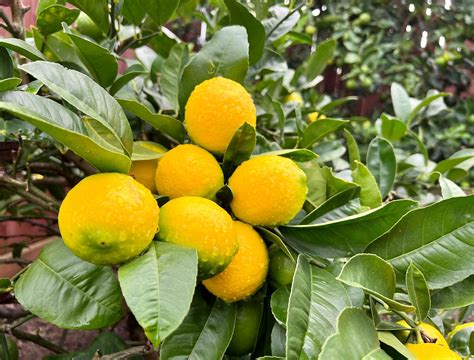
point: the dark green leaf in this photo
(9, 84)
(171, 72)
(369, 191)
(133, 11)
(348, 236)
(23, 48)
(455, 296)
(298, 155)
(382, 164)
(159, 11)
(97, 10)
(5, 285)
(318, 60)
(392, 129)
(317, 130)
(279, 304)
(418, 292)
(88, 295)
(6, 64)
(239, 149)
(401, 102)
(131, 73)
(49, 20)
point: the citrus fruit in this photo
(144, 170)
(267, 190)
(312, 117)
(86, 26)
(427, 329)
(203, 225)
(108, 218)
(294, 97)
(432, 352)
(247, 270)
(247, 326)
(281, 267)
(214, 112)
(188, 170)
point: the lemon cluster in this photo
(110, 218)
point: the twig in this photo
(21, 335)
(80, 163)
(18, 15)
(8, 25)
(19, 261)
(132, 40)
(128, 353)
(12, 314)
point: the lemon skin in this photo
(428, 329)
(432, 352)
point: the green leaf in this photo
(226, 54)
(239, 15)
(355, 339)
(279, 304)
(133, 11)
(420, 145)
(392, 129)
(98, 11)
(280, 23)
(391, 340)
(373, 275)
(274, 238)
(298, 155)
(166, 124)
(67, 128)
(147, 150)
(49, 20)
(277, 342)
(449, 188)
(424, 103)
(418, 292)
(316, 182)
(316, 300)
(352, 149)
(317, 130)
(455, 159)
(462, 341)
(131, 73)
(88, 295)
(338, 102)
(239, 149)
(205, 333)
(369, 191)
(158, 288)
(6, 64)
(348, 236)
(382, 164)
(455, 296)
(437, 239)
(101, 64)
(23, 48)
(401, 102)
(159, 11)
(85, 95)
(9, 84)
(318, 60)
(352, 58)
(171, 72)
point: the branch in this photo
(128, 353)
(8, 25)
(12, 314)
(18, 15)
(18, 261)
(21, 335)
(80, 163)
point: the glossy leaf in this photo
(279, 304)
(449, 188)
(226, 54)
(171, 72)
(97, 10)
(455, 296)
(392, 129)
(6, 64)
(316, 183)
(348, 236)
(159, 11)
(318, 60)
(462, 341)
(158, 288)
(437, 239)
(387, 338)
(84, 94)
(382, 164)
(369, 191)
(278, 342)
(131, 73)
(270, 236)
(9, 84)
(23, 48)
(50, 19)
(316, 300)
(317, 130)
(69, 292)
(239, 149)
(455, 159)
(66, 127)
(418, 292)
(401, 102)
(281, 23)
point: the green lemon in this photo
(281, 268)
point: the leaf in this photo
(392, 129)
(159, 11)
(166, 124)
(274, 238)
(158, 288)
(277, 342)
(23, 48)
(449, 188)
(6, 64)
(131, 73)
(171, 72)
(316, 182)
(369, 191)
(9, 84)
(239, 149)
(382, 164)
(317, 130)
(133, 11)
(239, 15)
(418, 292)
(461, 341)
(85, 95)
(205, 333)
(437, 239)
(352, 148)
(455, 159)
(348, 236)
(318, 60)
(355, 338)
(387, 338)
(69, 292)
(49, 20)
(147, 150)
(298, 155)
(420, 145)
(279, 304)
(97, 10)
(338, 102)
(373, 275)
(455, 296)
(66, 127)
(401, 102)
(226, 54)
(98, 60)
(281, 22)
(424, 103)
(316, 300)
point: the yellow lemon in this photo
(214, 112)
(312, 117)
(267, 190)
(203, 225)
(432, 352)
(144, 170)
(247, 271)
(108, 218)
(432, 332)
(294, 97)
(188, 170)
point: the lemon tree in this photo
(205, 187)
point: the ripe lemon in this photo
(281, 268)
(144, 170)
(432, 352)
(312, 117)
(247, 271)
(294, 97)
(108, 218)
(188, 170)
(428, 329)
(215, 111)
(267, 190)
(203, 225)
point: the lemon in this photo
(247, 271)
(214, 112)
(267, 190)
(427, 329)
(281, 268)
(203, 225)
(144, 170)
(294, 97)
(312, 117)
(432, 352)
(108, 218)
(188, 170)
